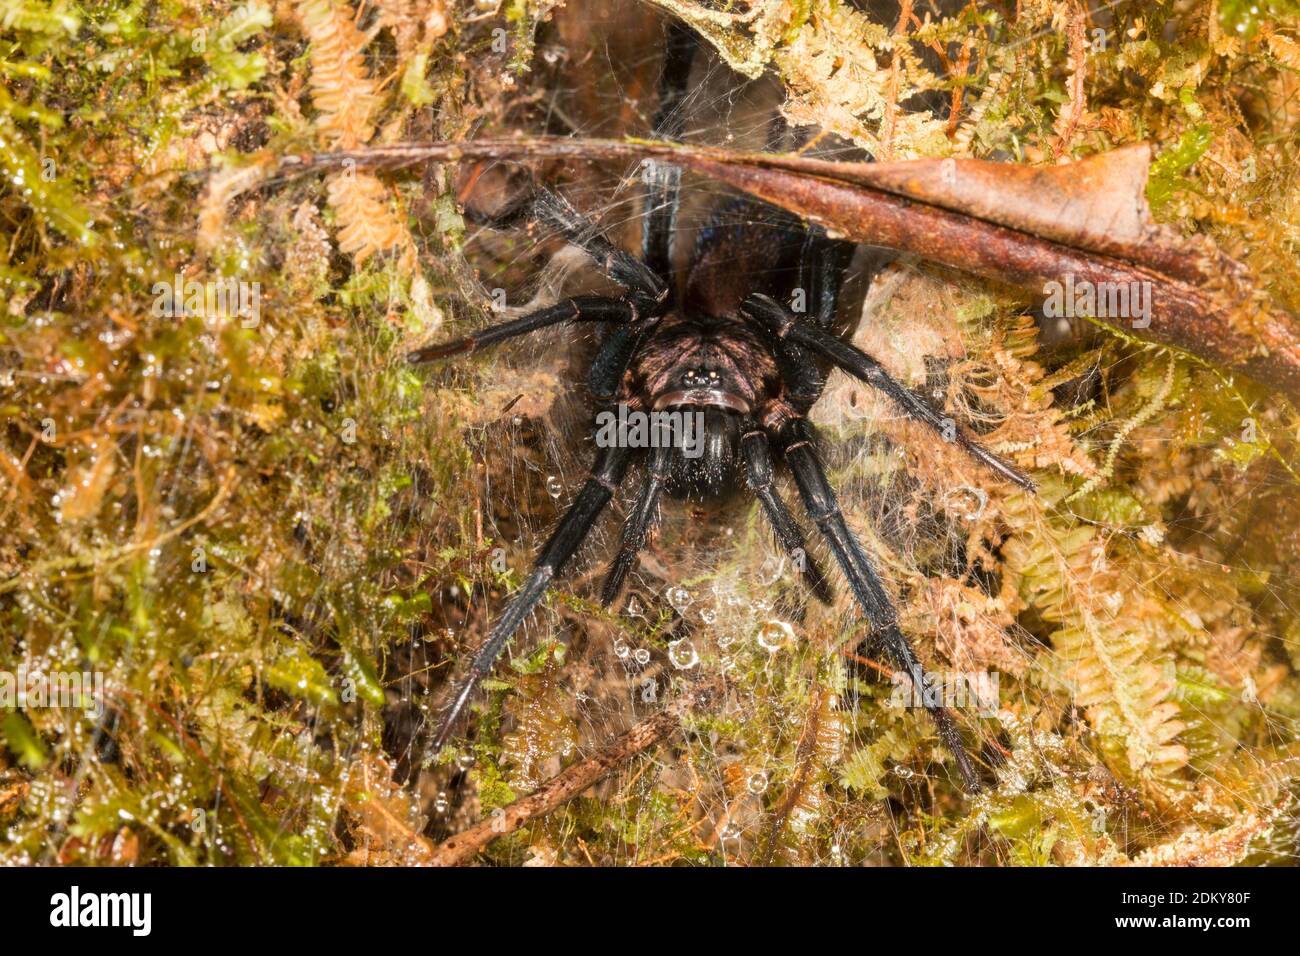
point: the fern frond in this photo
(368, 225)
(1108, 650)
(341, 87)
(347, 99)
(1226, 846)
(802, 801)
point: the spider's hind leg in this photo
(823, 507)
(572, 530)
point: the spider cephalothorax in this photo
(727, 351)
(718, 370)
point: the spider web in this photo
(803, 760)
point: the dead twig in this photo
(804, 754)
(572, 781)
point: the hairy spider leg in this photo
(644, 285)
(758, 475)
(647, 290)
(663, 180)
(606, 475)
(662, 196)
(822, 264)
(787, 329)
(647, 298)
(582, 308)
(647, 293)
(823, 507)
(639, 519)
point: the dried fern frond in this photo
(367, 225)
(802, 802)
(341, 87)
(347, 99)
(1226, 846)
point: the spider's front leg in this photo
(663, 180)
(582, 308)
(823, 507)
(786, 328)
(646, 299)
(606, 475)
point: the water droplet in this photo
(680, 599)
(554, 487)
(757, 782)
(441, 803)
(642, 656)
(621, 650)
(465, 761)
(708, 615)
(682, 654)
(773, 635)
(968, 502)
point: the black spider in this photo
(728, 348)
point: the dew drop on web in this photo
(680, 599)
(683, 655)
(773, 635)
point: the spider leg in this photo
(788, 329)
(823, 507)
(638, 522)
(822, 263)
(644, 285)
(572, 530)
(648, 291)
(663, 180)
(758, 475)
(582, 308)
(608, 365)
